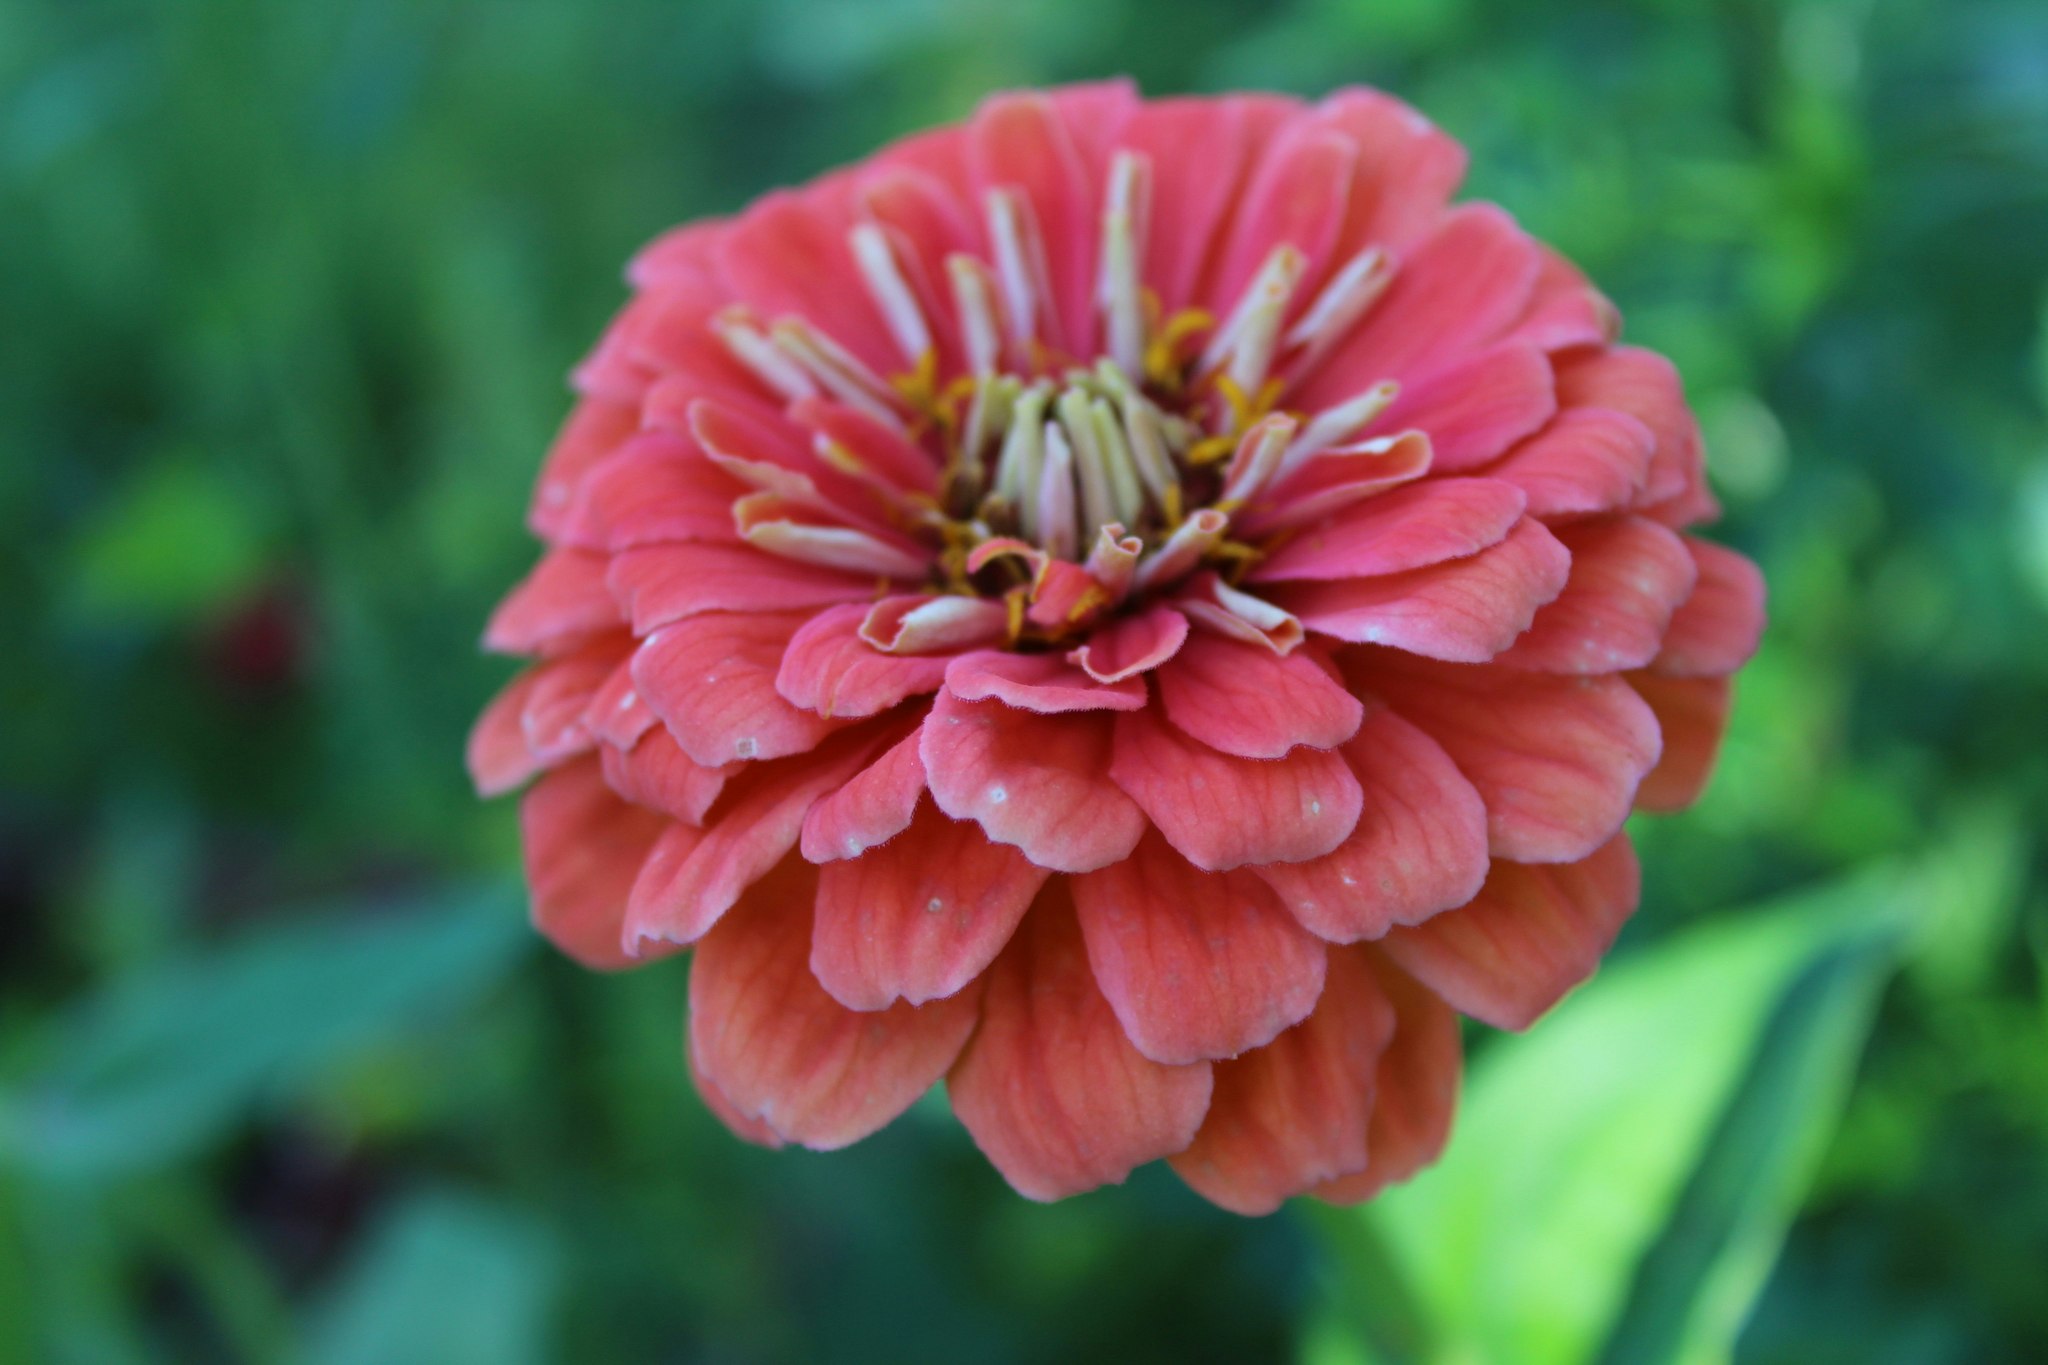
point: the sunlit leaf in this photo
(1628, 1167)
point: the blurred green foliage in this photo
(289, 290)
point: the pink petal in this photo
(1587, 460)
(921, 916)
(583, 847)
(1415, 1091)
(692, 877)
(681, 359)
(788, 256)
(1532, 933)
(561, 602)
(1408, 168)
(1691, 713)
(1335, 480)
(1566, 311)
(926, 222)
(1646, 386)
(1298, 195)
(554, 721)
(654, 772)
(593, 430)
(1197, 965)
(1223, 812)
(1038, 782)
(1459, 290)
(1717, 629)
(657, 488)
(772, 454)
(1132, 645)
(497, 756)
(872, 444)
(1462, 610)
(711, 679)
(783, 1051)
(1297, 1112)
(1419, 849)
(1243, 699)
(1050, 1088)
(1557, 760)
(829, 669)
(660, 584)
(610, 372)
(1018, 140)
(689, 252)
(617, 714)
(1196, 148)
(1628, 575)
(1064, 595)
(1045, 683)
(1095, 113)
(743, 1126)
(1477, 406)
(874, 806)
(1407, 528)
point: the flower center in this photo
(1128, 466)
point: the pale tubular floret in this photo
(975, 303)
(1126, 496)
(990, 412)
(1119, 286)
(1143, 435)
(1114, 561)
(1343, 301)
(1244, 346)
(761, 358)
(1335, 425)
(1057, 530)
(893, 296)
(1189, 543)
(1023, 456)
(1257, 459)
(1149, 451)
(1021, 268)
(950, 622)
(1090, 461)
(838, 370)
(1217, 606)
(835, 547)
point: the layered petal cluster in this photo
(1143, 611)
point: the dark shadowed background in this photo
(287, 296)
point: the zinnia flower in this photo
(1144, 611)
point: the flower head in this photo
(1142, 610)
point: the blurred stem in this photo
(181, 1224)
(17, 1340)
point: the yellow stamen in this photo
(1013, 605)
(1165, 366)
(1088, 601)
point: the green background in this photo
(287, 295)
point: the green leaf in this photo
(447, 1280)
(1621, 1176)
(157, 1065)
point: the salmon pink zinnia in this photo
(1142, 610)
